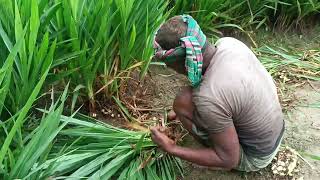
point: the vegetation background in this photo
(59, 55)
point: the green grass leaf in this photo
(22, 114)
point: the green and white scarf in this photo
(191, 48)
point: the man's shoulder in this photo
(229, 41)
(233, 50)
(232, 63)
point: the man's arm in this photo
(225, 152)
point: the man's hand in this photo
(162, 140)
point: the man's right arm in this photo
(225, 152)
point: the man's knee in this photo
(182, 104)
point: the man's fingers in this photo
(155, 130)
(162, 129)
(152, 137)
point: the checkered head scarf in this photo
(190, 48)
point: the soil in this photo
(302, 128)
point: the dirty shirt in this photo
(237, 90)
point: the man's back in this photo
(237, 89)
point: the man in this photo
(232, 106)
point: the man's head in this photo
(168, 37)
(179, 43)
(170, 33)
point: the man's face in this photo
(178, 66)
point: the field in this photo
(79, 89)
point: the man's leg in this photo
(184, 107)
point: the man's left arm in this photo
(224, 153)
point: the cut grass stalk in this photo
(290, 65)
(117, 153)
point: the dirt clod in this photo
(285, 163)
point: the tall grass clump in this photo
(24, 21)
(35, 147)
(211, 15)
(107, 40)
(26, 56)
(12, 138)
(215, 15)
(95, 44)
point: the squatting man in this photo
(231, 106)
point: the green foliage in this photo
(35, 56)
(314, 157)
(13, 145)
(213, 15)
(101, 151)
(38, 144)
(85, 149)
(96, 44)
(109, 38)
(290, 64)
